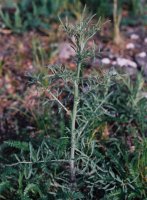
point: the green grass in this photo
(23, 15)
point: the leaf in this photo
(18, 144)
(31, 187)
(4, 186)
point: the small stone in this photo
(111, 56)
(145, 40)
(130, 46)
(105, 61)
(134, 37)
(121, 62)
(143, 95)
(114, 63)
(125, 62)
(132, 64)
(142, 55)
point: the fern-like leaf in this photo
(18, 145)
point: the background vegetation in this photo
(23, 15)
(87, 138)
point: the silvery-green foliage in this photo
(105, 168)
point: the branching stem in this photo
(60, 103)
(30, 162)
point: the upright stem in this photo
(73, 125)
(115, 11)
(117, 20)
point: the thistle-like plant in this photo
(85, 96)
(79, 35)
(73, 81)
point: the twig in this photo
(30, 162)
(61, 104)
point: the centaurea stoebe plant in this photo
(80, 33)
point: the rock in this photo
(65, 51)
(142, 54)
(114, 63)
(134, 36)
(130, 46)
(121, 62)
(145, 40)
(126, 62)
(143, 95)
(105, 61)
(141, 60)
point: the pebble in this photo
(114, 63)
(111, 56)
(145, 40)
(130, 46)
(105, 61)
(134, 37)
(143, 94)
(125, 62)
(142, 55)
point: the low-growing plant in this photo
(104, 7)
(14, 22)
(22, 15)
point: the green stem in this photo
(73, 126)
(117, 19)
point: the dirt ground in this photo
(23, 54)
